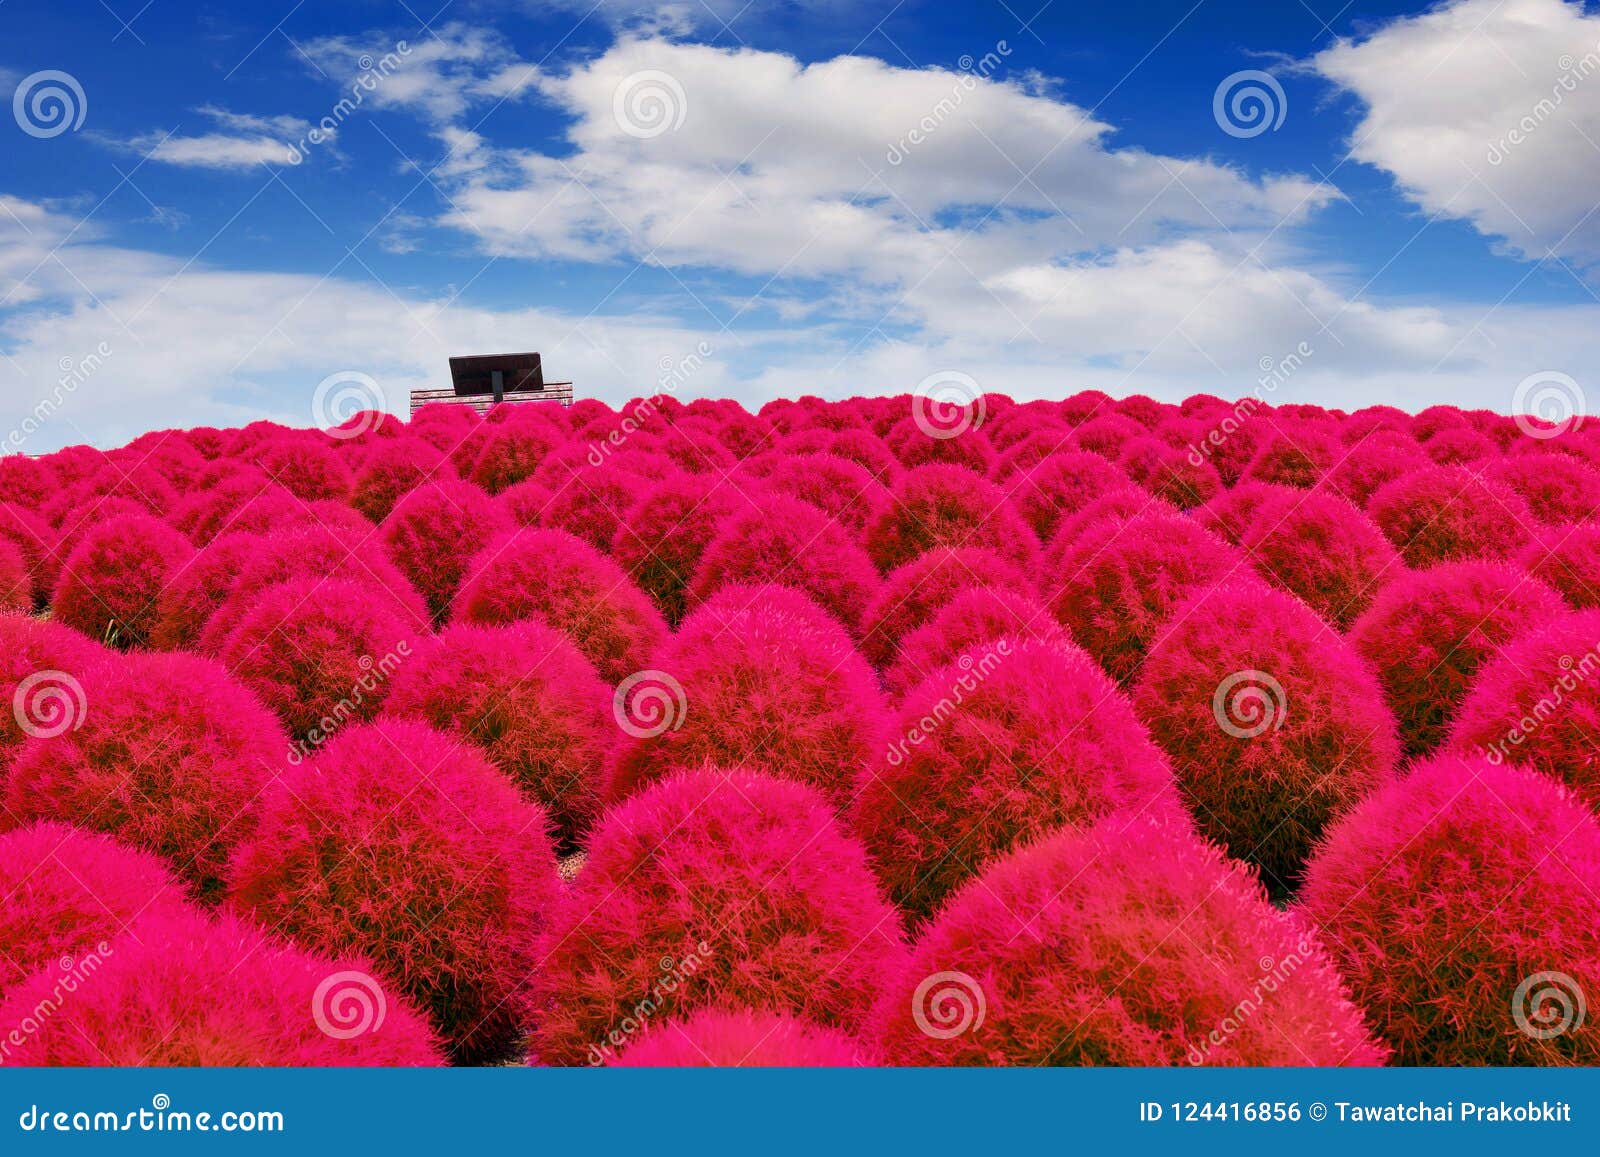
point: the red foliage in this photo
(64, 890)
(35, 540)
(400, 843)
(510, 452)
(593, 504)
(713, 1038)
(1294, 454)
(1273, 724)
(525, 695)
(395, 468)
(993, 751)
(662, 538)
(769, 683)
(1369, 464)
(1537, 703)
(1428, 632)
(969, 622)
(1556, 488)
(1130, 943)
(434, 532)
(166, 753)
(27, 482)
(306, 465)
(951, 507)
(1169, 472)
(1448, 900)
(1059, 486)
(1118, 582)
(912, 595)
(16, 581)
(243, 500)
(192, 596)
(551, 576)
(1319, 547)
(912, 446)
(111, 582)
(783, 540)
(1568, 558)
(845, 491)
(181, 990)
(1441, 513)
(712, 889)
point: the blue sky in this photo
(833, 197)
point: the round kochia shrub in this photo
(111, 583)
(41, 665)
(1428, 632)
(844, 490)
(192, 596)
(912, 595)
(1274, 725)
(525, 695)
(35, 541)
(1537, 704)
(1126, 944)
(784, 540)
(64, 890)
(319, 654)
(559, 579)
(393, 469)
(1319, 547)
(181, 990)
(1122, 578)
(1568, 558)
(969, 622)
(712, 889)
(995, 750)
(402, 844)
(769, 683)
(713, 1038)
(1460, 905)
(168, 754)
(947, 506)
(1441, 513)
(16, 582)
(661, 539)
(1558, 489)
(433, 533)
(1060, 485)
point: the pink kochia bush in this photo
(167, 754)
(319, 654)
(1537, 704)
(523, 694)
(769, 683)
(110, 585)
(995, 750)
(1273, 724)
(1428, 632)
(64, 891)
(713, 1038)
(1124, 944)
(1319, 547)
(712, 889)
(947, 506)
(1568, 558)
(40, 666)
(433, 533)
(1441, 513)
(181, 990)
(783, 540)
(400, 843)
(558, 579)
(969, 621)
(912, 595)
(1460, 903)
(1119, 582)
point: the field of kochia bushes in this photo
(1071, 732)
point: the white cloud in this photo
(248, 142)
(1487, 111)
